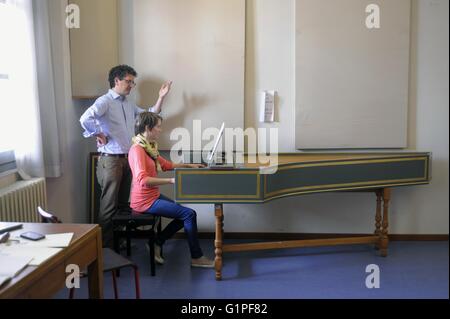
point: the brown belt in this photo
(114, 155)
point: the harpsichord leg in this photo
(218, 208)
(384, 239)
(379, 194)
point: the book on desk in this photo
(7, 227)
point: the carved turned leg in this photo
(384, 240)
(379, 194)
(218, 242)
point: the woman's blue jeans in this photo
(182, 217)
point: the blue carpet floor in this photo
(411, 270)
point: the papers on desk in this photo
(10, 266)
(37, 255)
(51, 240)
(37, 251)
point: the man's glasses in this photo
(130, 82)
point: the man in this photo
(111, 120)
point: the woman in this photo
(145, 163)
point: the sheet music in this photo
(267, 112)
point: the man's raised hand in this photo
(165, 88)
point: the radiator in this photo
(19, 201)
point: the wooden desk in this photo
(299, 174)
(43, 281)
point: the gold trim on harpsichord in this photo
(180, 174)
(334, 187)
(299, 158)
(369, 187)
(257, 198)
(350, 162)
(267, 199)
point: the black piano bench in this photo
(130, 224)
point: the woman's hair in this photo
(144, 119)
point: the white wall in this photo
(425, 209)
(270, 64)
(270, 57)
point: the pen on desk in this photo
(4, 237)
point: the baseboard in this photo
(299, 236)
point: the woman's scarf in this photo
(150, 147)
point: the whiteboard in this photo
(351, 81)
(200, 46)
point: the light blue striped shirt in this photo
(114, 116)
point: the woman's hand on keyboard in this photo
(195, 166)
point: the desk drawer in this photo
(84, 255)
(46, 285)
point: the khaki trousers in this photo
(114, 177)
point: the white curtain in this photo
(28, 102)
(46, 89)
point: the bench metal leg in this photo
(151, 243)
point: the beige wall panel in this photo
(93, 47)
(351, 81)
(200, 46)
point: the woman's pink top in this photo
(143, 166)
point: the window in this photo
(17, 75)
(6, 37)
